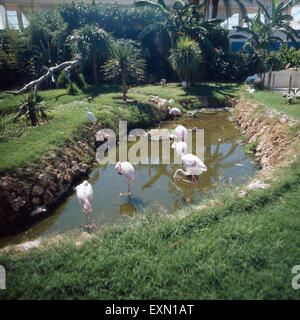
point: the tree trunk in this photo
(124, 87)
(215, 7)
(95, 69)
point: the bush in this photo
(14, 57)
(77, 78)
(285, 57)
(233, 66)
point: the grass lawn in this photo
(242, 249)
(22, 145)
(275, 101)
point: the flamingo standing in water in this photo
(84, 193)
(181, 132)
(175, 112)
(193, 164)
(126, 169)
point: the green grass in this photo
(22, 145)
(214, 92)
(242, 249)
(275, 101)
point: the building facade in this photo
(12, 12)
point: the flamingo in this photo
(193, 164)
(184, 84)
(84, 193)
(126, 169)
(181, 132)
(163, 82)
(175, 111)
(91, 116)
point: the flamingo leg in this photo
(194, 179)
(128, 193)
(189, 199)
(87, 221)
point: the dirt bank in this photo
(274, 135)
(31, 192)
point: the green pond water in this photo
(155, 189)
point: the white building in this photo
(11, 11)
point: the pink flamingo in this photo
(84, 193)
(181, 132)
(193, 164)
(175, 112)
(126, 169)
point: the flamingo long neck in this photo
(179, 171)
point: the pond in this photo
(155, 189)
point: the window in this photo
(25, 21)
(12, 19)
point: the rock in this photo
(28, 245)
(201, 207)
(48, 197)
(36, 200)
(37, 191)
(17, 203)
(254, 185)
(242, 193)
(43, 180)
(38, 211)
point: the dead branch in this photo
(67, 65)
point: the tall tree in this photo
(125, 63)
(185, 58)
(92, 44)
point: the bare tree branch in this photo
(67, 65)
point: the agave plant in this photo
(185, 58)
(31, 109)
(125, 63)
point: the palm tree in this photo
(92, 44)
(185, 58)
(188, 19)
(263, 35)
(125, 63)
(166, 26)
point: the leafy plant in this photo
(286, 57)
(263, 35)
(31, 109)
(185, 58)
(125, 63)
(92, 44)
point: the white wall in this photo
(282, 78)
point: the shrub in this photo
(186, 58)
(77, 78)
